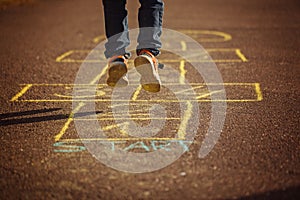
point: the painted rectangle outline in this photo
(26, 87)
(242, 58)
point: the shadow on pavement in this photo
(28, 112)
(4, 121)
(290, 193)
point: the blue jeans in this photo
(116, 22)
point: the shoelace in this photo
(121, 58)
(154, 59)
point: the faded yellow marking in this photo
(103, 72)
(182, 64)
(136, 93)
(186, 117)
(120, 139)
(192, 88)
(240, 55)
(183, 45)
(182, 72)
(70, 97)
(80, 61)
(208, 94)
(136, 114)
(99, 38)
(123, 130)
(21, 93)
(64, 55)
(224, 36)
(63, 96)
(258, 92)
(237, 52)
(83, 89)
(113, 126)
(67, 124)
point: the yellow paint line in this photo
(195, 86)
(240, 55)
(62, 96)
(183, 125)
(49, 84)
(183, 45)
(121, 115)
(134, 112)
(162, 101)
(64, 55)
(137, 114)
(136, 93)
(121, 139)
(67, 124)
(226, 61)
(224, 36)
(258, 92)
(21, 93)
(109, 127)
(101, 85)
(99, 38)
(103, 72)
(182, 72)
(162, 60)
(221, 49)
(237, 100)
(131, 118)
(76, 109)
(192, 88)
(182, 64)
(123, 130)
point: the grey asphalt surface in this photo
(257, 154)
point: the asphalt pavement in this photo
(46, 154)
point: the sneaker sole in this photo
(116, 73)
(150, 80)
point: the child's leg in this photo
(149, 43)
(150, 15)
(116, 22)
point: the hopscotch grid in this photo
(62, 58)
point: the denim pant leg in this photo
(116, 27)
(150, 16)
